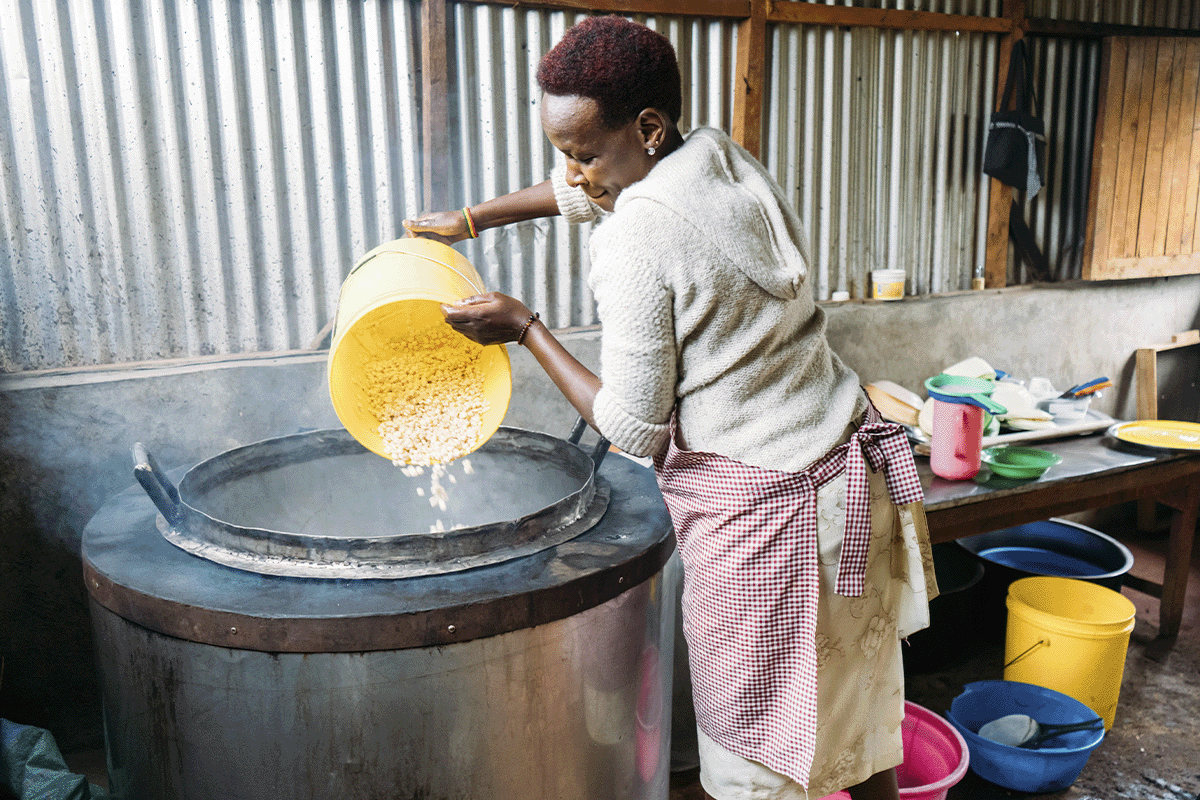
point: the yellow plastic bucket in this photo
(1070, 636)
(393, 290)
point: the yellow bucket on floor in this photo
(393, 290)
(1070, 636)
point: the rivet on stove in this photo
(621, 579)
(450, 628)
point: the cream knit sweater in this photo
(698, 275)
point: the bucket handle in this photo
(157, 485)
(1028, 650)
(598, 452)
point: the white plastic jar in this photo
(887, 284)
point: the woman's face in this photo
(600, 161)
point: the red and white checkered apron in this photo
(748, 540)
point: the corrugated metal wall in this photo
(878, 133)
(190, 177)
(1067, 84)
(184, 178)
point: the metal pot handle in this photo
(598, 452)
(156, 483)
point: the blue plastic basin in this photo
(1056, 548)
(1044, 769)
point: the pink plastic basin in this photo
(935, 756)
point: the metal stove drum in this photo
(296, 619)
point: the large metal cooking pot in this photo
(319, 504)
(540, 675)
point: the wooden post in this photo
(1146, 393)
(995, 268)
(435, 106)
(751, 69)
(1178, 557)
(1000, 199)
(1102, 187)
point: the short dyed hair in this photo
(625, 67)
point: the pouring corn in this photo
(427, 395)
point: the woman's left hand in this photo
(490, 318)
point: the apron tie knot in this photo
(879, 445)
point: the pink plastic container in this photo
(935, 756)
(957, 436)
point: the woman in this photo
(801, 572)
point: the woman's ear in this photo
(652, 125)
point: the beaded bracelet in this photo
(470, 223)
(528, 322)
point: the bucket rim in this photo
(938, 722)
(405, 296)
(1051, 624)
(474, 283)
(1018, 603)
(975, 544)
(419, 247)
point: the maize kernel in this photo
(427, 394)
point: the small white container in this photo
(887, 284)
(1066, 409)
(840, 297)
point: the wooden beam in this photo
(435, 105)
(1131, 156)
(720, 9)
(995, 267)
(1148, 243)
(1146, 392)
(1182, 240)
(749, 78)
(1188, 241)
(995, 270)
(1146, 371)
(1101, 194)
(1070, 29)
(1119, 269)
(1177, 152)
(1178, 558)
(783, 11)
(821, 14)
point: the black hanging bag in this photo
(1015, 152)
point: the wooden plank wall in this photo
(1143, 207)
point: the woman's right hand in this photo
(446, 227)
(491, 318)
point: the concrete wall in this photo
(65, 437)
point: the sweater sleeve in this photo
(637, 351)
(573, 203)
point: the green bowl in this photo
(1018, 462)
